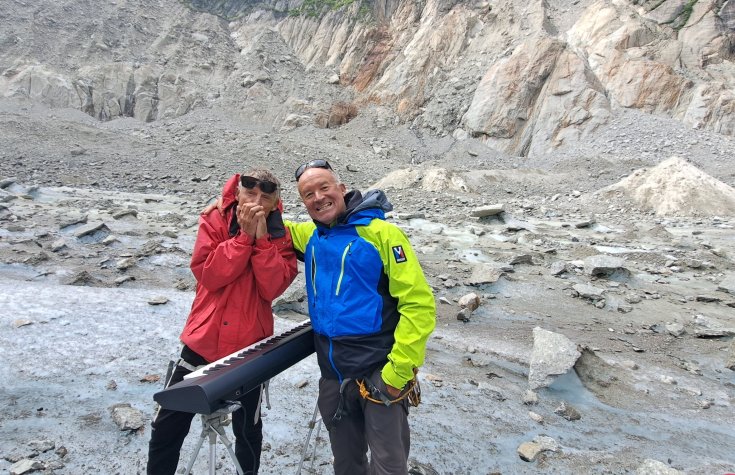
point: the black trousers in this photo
(170, 428)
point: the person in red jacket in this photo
(242, 260)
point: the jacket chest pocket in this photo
(345, 253)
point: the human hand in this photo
(392, 391)
(262, 228)
(216, 205)
(249, 217)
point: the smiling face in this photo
(322, 195)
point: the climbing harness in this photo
(370, 392)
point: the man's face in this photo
(322, 195)
(256, 196)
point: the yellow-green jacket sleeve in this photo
(300, 233)
(416, 304)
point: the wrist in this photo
(246, 238)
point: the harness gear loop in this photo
(341, 411)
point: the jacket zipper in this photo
(342, 267)
(313, 274)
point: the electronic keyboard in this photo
(218, 384)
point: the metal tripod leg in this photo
(212, 427)
(315, 421)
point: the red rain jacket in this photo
(237, 281)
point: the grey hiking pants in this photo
(364, 424)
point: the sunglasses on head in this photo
(318, 163)
(265, 186)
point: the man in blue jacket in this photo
(372, 312)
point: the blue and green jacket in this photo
(369, 302)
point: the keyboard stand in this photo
(316, 421)
(212, 426)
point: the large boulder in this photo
(553, 354)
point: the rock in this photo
(416, 468)
(21, 322)
(7, 182)
(489, 210)
(42, 445)
(72, 219)
(159, 300)
(461, 134)
(407, 216)
(470, 301)
(125, 263)
(125, 212)
(94, 232)
(730, 363)
(150, 378)
(589, 292)
(54, 465)
(713, 332)
(293, 121)
(530, 398)
(668, 380)
(553, 354)
(521, 259)
(654, 467)
(727, 284)
(464, 315)
(675, 329)
(124, 278)
(536, 417)
(558, 268)
(83, 278)
(602, 264)
(628, 364)
(568, 412)
(584, 224)
(58, 245)
(109, 240)
(485, 274)
(25, 466)
(333, 79)
(126, 417)
(528, 451)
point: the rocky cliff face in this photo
(526, 77)
(522, 75)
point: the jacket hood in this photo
(373, 204)
(229, 191)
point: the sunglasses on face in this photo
(318, 163)
(265, 186)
